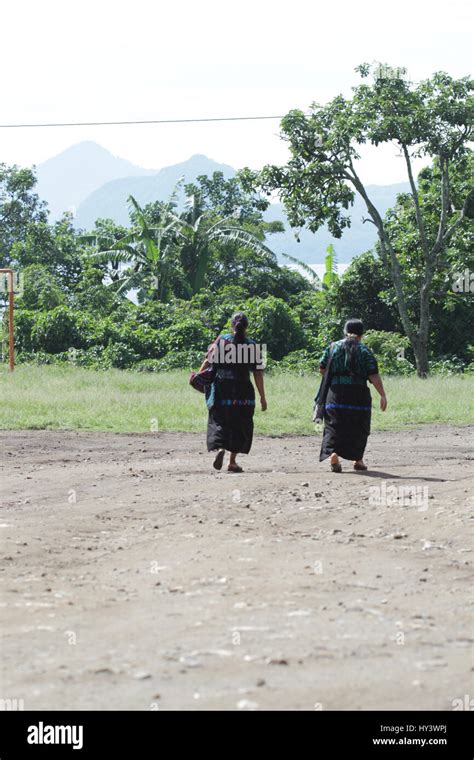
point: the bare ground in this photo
(135, 577)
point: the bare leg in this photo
(233, 466)
(335, 463)
(219, 459)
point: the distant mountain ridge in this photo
(93, 183)
(110, 200)
(67, 179)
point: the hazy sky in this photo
(106, 60)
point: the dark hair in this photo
(354, 327)
(239, 325)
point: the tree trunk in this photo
(420, 349)
(421, 354)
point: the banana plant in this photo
(147, 252)
(309, 271)
(196, 231)
(330, 275)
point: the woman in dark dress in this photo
(348, 403)
(231, 399)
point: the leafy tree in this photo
(272, 322)
(20, 207)
(105, 235)
(197, 229)
(56, 247)
(390, 347)
(226, 197)
(319, 182)
(148, 252)
(59, 329)
(365, 291)
(450, 312)
(41, 290)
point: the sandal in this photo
(359, 466)
(217, 464)
(336, 467)
(234, 468)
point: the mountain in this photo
(93, 183)
(110, 200)
(67, 179)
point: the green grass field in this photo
(70, 398)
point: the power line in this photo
(142, 121)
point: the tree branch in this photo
(416, 200)
(386, 245)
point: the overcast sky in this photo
(103, 60)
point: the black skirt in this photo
(230, 421)
(346, 421)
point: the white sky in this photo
(112, 60)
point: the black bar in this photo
(318, 734)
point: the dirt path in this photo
(133, 576)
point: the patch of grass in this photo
(71, 398)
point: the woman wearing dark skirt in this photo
(348, 403)
(231, 399)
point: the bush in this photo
(59, 329)
(91, 358)
(119, 355)
(447, 366)
(36, 357)
(186, 335)
(272, 322)
(146, 341)
(389, 348)
(24, 321)
(41, 289)
(303, 362)
(190, 360)
(155, 314)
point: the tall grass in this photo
(65, 397)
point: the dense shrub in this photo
(452, 365)
(119, 355)
(59, 329)
(185, 335)
(390, 349)
(302, 362)
(24, 321)
(272, 322)
(190, 360)
(41, 290)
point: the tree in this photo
(198, 228)
(20, 207)
(56, 247)
(146, 250)
(254, 267)
(450, 311)
(319, 182)
(365, 291)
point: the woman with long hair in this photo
(348, 402)
(231, 400)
